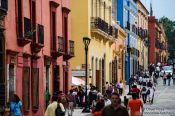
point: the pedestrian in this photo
(115, 109)
(51, 109)
(135, 105)
(121, 88)
(106, 88)
(144, 93)
(164, 78)
(169, 76)
(62, 98)
(16, 106)
(151, 94)
(98, 108)
(72, 102)
(136, 90)
(107, 100)
(173, 78)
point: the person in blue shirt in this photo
(16, 106)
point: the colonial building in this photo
(155, 33)
(119, 48)
(163, 46)
(142, 32)
(95, 23)
(37, 49)
(127, 18)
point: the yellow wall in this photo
(81, 12)
(79, 29)
(143, 23)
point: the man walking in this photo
(51, 109)
(135, 105)
(115, 109)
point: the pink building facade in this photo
(37, 49)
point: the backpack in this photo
(148, 92)
(143, 89)
(58, 111)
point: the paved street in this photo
(164, 102)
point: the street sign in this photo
(80, 73)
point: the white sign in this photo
(80, 73)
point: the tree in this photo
(169, 27)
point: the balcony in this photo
(22, 41)
(102, 28)
(58, 47)
(3, 7)
(70, 53)
(36, 47)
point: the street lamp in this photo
(86, 42)
(129, 52)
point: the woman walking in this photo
(16, 106)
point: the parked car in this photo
(166, 69)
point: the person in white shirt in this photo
(121, 88)
(107, 101)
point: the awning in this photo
(77, 81)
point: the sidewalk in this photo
(78, 111)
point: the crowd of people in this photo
(107, 103)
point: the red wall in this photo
(13, 49)
(152, 36)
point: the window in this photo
(33, 17)
(56, 78)
(35, 88)
(53, 29)
(114, 10)
(92, 8)
(11, 81)
(26, 88)
(40, 34)
(47, 82)
(19, 18)
(65, 28)
(110, 15)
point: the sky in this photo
(161, 8)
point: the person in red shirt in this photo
(135, 105)
(98, 108)
(136, 90)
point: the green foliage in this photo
(169, 27)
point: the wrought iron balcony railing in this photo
(70, 53)
(98, 24)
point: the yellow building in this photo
(142, 42)
(163, 46)
(92, 18)
(119, 50)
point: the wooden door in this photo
(98, 79)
